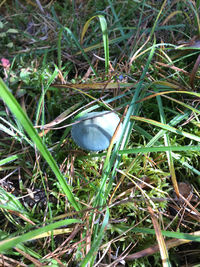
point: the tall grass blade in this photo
(90, 257)
(167, 143)
(104, 30)
(18, 112)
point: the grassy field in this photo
(136, 203)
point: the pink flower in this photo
(5, 63)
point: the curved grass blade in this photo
(167, 127)
(10, 202)
(16, 109)
(196, 12)
(104, 30)
(173, 99)
(173, 14)
(12, 242)
(127, 36)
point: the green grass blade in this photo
(97, 242)
(196, 12)
(167, 143)
(59, 49)
(10, 202)
(12, 242)
(127, 124)
(8, 159)
(104, 30)
(175, 100)
(20, 134)
(192, 237)
(16, 109)
(157, 149)
(167, 127)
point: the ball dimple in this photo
(94, 130)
